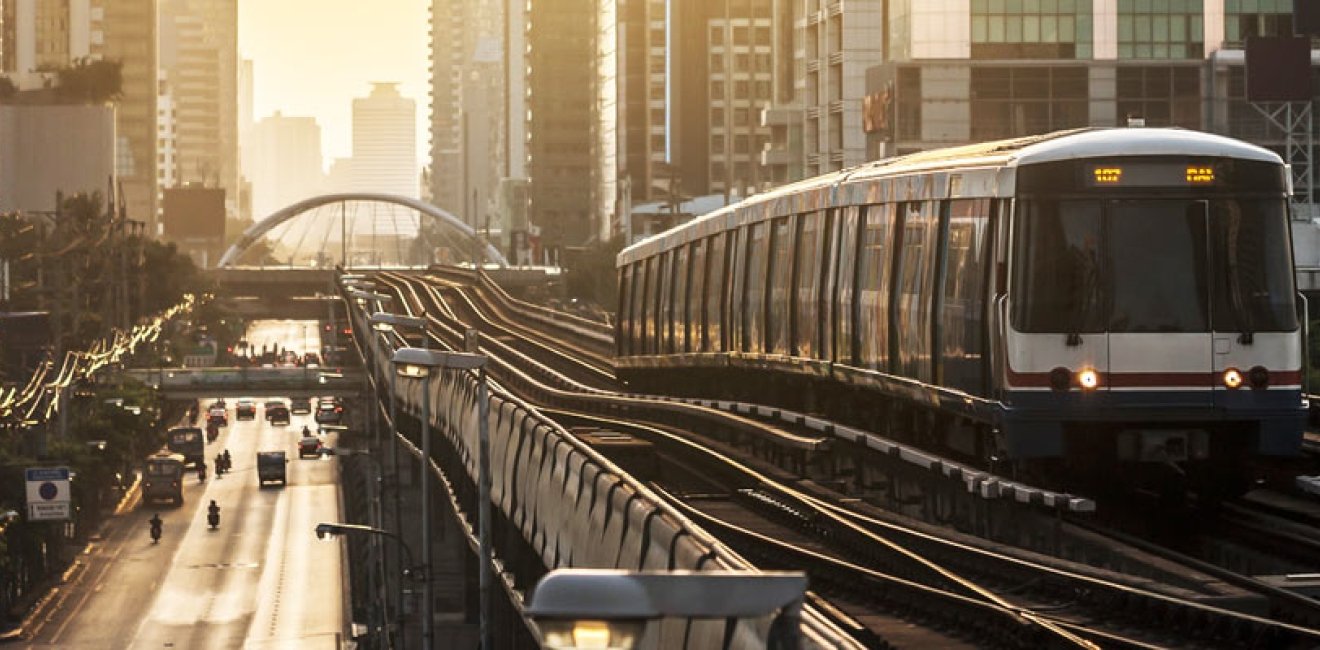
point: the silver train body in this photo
(1100, 293)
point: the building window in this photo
(741, 144)
(1012, 101)
(763, 90)
(717, 116)
(740, 36)
(1160, 29)
(717, 90)
(1246, 18)
(740, 89)
(1164, 96)
(762, 35)
(1032, 29)
(716, 35)
(717, 144)
(717, 63)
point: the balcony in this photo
(782, 115)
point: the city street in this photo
(262, 580)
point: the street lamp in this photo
(417, 363)
(381, 323)
(326, 531)
(604, 608)
(376, 518)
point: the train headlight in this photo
(1060, 378)
(1233, 378)
(1089, 379)
(1258, 377)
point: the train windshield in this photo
(1153, 265)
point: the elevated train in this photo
(1081, 300)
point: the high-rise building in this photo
(974, 71)
(821, 59)
(384, 143)
(676, 89)
(37, 36)
(126, 32)
(469, 118)
(559, 37)
(199, 53)
(286, 162)
(167, 169)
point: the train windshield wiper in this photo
(1085, 286)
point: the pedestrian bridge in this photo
(199, 383)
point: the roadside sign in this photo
(49, 497)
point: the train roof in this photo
(1050, 147)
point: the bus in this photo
(162, 478)
(189, 442)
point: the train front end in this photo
(1152, 315)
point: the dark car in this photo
(300, 405)
(246, 410)
(328, 412)
(309, 446)
(277, 413)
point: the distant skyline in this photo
(313, 57)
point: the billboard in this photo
(1278, 69)
(194, 214)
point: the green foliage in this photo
(170, 275)
(7, 88)
(90, 81)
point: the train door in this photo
(1161, 350)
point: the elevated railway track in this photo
(548, 360)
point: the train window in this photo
(1252, 284)
(914, 291)
(810, 268)
(1057, 267)
(829, 263)
(873, 281)
(716, 281)
(652, 303)
(680, 316)
(665, 311)
(962, 308)
(779, 311)
(844, 325)
(623, 336)
(638, 310)
(1157, 266)
(737, 300)
(696, 302)
(758, 252)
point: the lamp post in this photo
(594, 608)
(417, 363)
(330, 530)
(376, 518)
(382, 323)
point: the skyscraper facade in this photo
(675, 111)
(286, 162)
(384, 143)
(558, 119)
(127, 34)
(199, 54)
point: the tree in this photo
(90, 81)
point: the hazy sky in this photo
(312, 57)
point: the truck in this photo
(162, 478)
(189, 442)
(271, 467)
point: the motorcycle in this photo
(155, 530)
(213, 516)
(201, 472)
(212, 432)
(220, 468)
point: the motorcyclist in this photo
(156, 524)
(201, 471)
(229, 462)
(306, 431)
(213, 514)
(219, 465)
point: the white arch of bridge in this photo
(260, 228)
